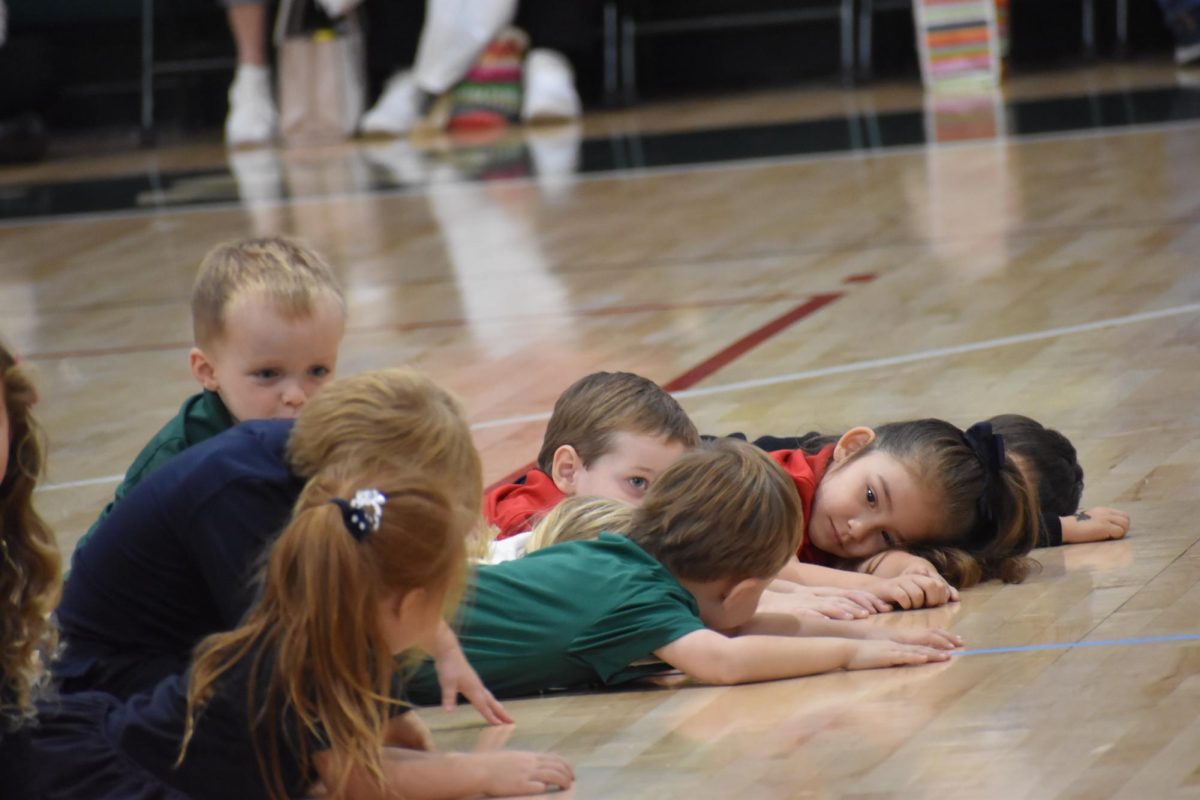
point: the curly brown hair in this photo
(30, 565)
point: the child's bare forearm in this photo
(764, 658)
(768, 624)
(813, 575)
(891, 563)
(410, 774)
(416, 775)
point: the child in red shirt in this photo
(909, 503)
(610, 435)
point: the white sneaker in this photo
(252, 118)
(398, 108)
(549, 88)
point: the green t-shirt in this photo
(202, 417)
(571, 616)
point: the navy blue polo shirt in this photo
(175, 560)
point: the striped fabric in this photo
(959, 42)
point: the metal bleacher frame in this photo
(622, 28)
(152, 68)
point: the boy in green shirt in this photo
(681, 586)
(268, 317)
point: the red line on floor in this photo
(748, 342)
(722, 358)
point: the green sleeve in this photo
(202, 416)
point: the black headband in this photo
(989, 448)
(362, 514)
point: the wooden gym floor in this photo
(990, 266)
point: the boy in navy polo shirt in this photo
(176, 560)
(268, 318)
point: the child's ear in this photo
(202, 369)
(852, 441)
(565, 469)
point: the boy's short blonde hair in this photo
(724, 510)
(595, 407)
(291, 274)
(392, 417)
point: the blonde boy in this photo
(268, 317)
(610, 435)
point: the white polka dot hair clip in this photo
(363, 513)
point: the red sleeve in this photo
(512, 506)
(806, 471)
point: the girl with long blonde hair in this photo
(30, 567)
(305, 688)
(30, 573)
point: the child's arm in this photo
(409, 731)
(792, 598)
(789, 625)
(416, 775)
(456, 676)
(906, 591)
(1097, 524)
(711, 657)
(891, 563)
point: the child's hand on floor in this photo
(915, 591)
(456, 676)
(874, 653)
(937, 638)
(820, 602)
(1097, 524)
(860, 597)
(410, 732)
(515, 773)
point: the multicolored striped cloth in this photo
(960, 42)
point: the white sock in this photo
(252, 73)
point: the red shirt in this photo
(806, 472)
(511, 506)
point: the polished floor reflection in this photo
(554, 154)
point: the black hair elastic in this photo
(363, 513)
(989, 447)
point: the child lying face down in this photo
(682, 585)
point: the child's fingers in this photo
(869, 601)
(554, 769)
(943, 640)
(495, 712)
(845, 609)
(928, 655)
(901, 594)
(484, 702)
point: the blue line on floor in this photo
(1179, 637)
